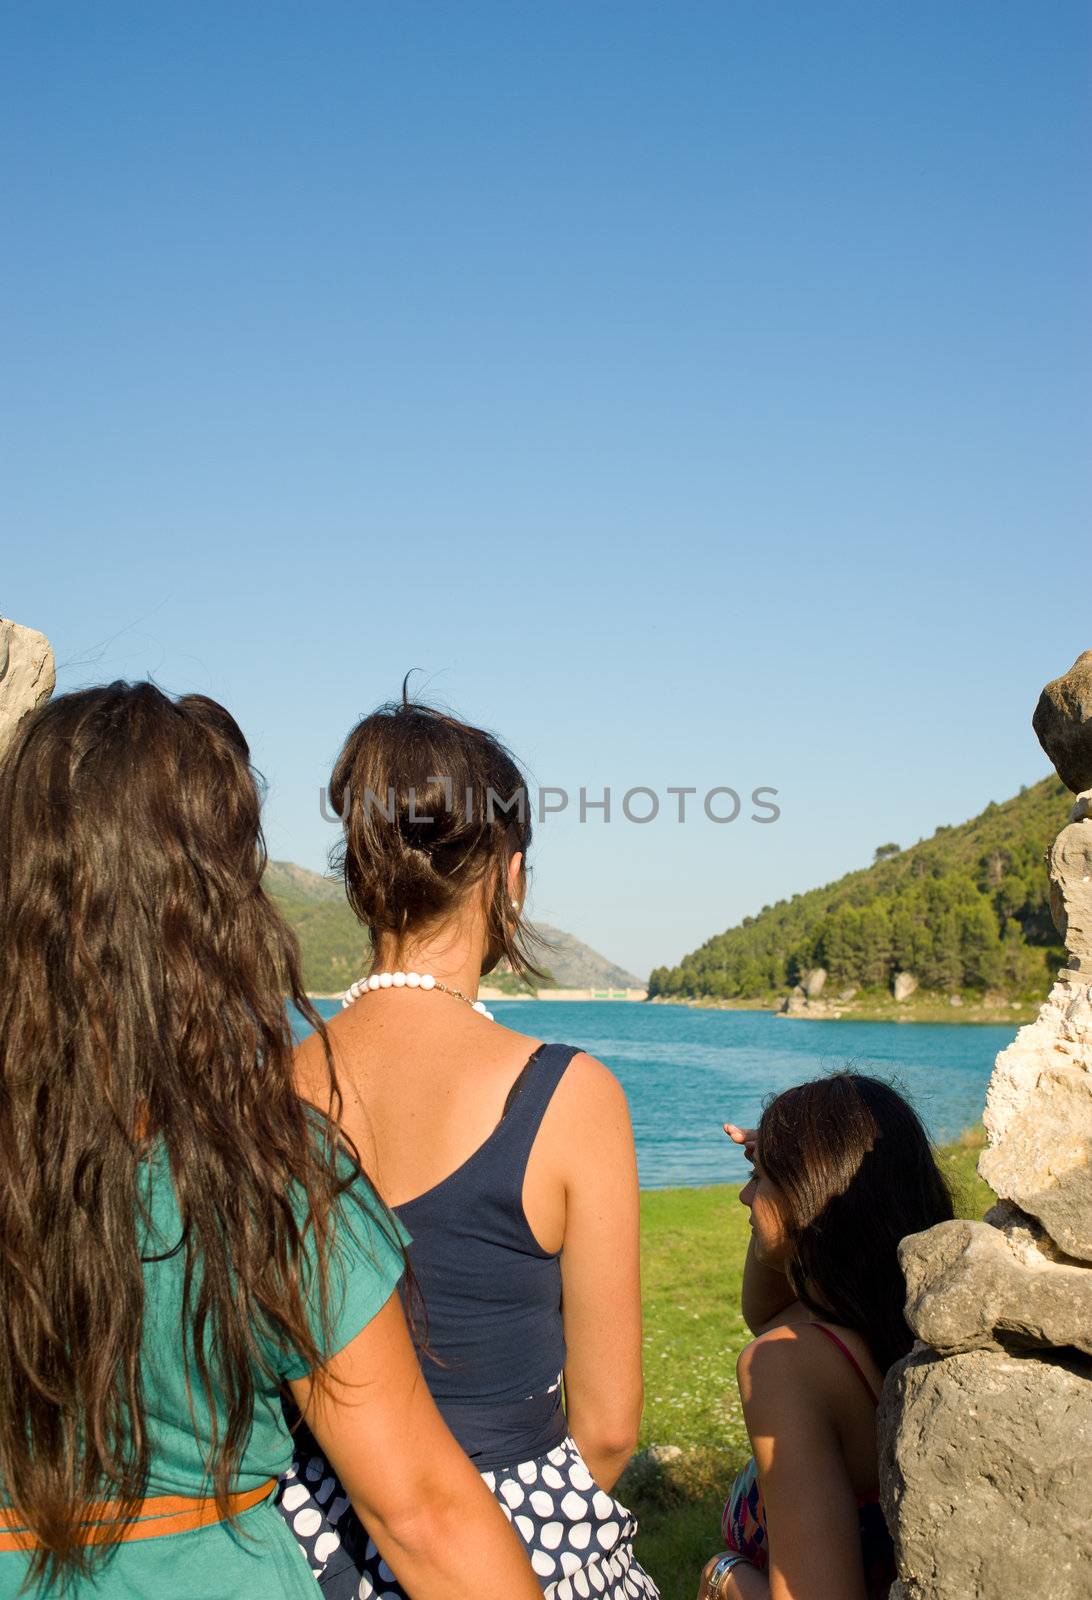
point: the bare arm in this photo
(766, 1291)
(601, 1271)
(431, 1516)
(811, 1513)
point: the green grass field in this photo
(694, 1242)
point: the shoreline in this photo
(926, 1009)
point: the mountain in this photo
(965, 911)
(335, 947)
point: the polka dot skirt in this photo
(579, 1538)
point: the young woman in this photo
(510, 1161)
(181, 1236)
(842, 1171)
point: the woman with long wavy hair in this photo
(180, 1237)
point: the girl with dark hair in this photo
(510, 1160)
(843, 1170)
(181, 1235)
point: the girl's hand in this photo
(732, 1585)
(744, 1136)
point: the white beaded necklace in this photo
(409, 980)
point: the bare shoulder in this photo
(791, 1364)
(586, 1135)
(590, 1086)
(312, 1071)
(782, 1365)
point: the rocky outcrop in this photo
(985, 1484)
(815, 982)
(969, 1287)
(1063, 724)
(904, 985)
(28, 674)
(986, 1428)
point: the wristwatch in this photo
(725, 1563)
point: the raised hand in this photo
(744, 1136)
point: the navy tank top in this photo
(496, 1349)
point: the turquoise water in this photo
(687, 1071)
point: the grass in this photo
(694, 1242)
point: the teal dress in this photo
(216, 1562)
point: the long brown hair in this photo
(432, 808)
(857, 1173)
(143, 975)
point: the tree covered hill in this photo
(335, 947)
(966, 910)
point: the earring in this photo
(515, 905)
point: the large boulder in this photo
(985, 1463)
(1071, 892)
(815, 982)
(971, 1287)
(904, 985)
(28, 674)
(1039, 1118)
(1063, 723)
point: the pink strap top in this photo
(850, 1357)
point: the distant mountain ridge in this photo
(335, 947)
(965, 911)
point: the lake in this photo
(686, 1070)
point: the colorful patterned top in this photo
(744, 1522)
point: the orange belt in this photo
(167, 1513)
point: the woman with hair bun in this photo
(843, 1170)
(182, 1235)
(510, 1161)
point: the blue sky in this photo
(696, 393)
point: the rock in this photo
(985, 1461)
(905, 984)
(1027, 1238)
(28, 675)
(970, 1287)
(955, 999)
(847, 994)
(655, 1475)
(986, 1447)
(1045, 1166)
(814, 982)
(657, 1454)
(1063, 723)
(794, 1003)
(1039, 1117)
(1071, 892)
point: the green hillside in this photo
(335, 947)
(965, 911)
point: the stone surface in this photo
(985, 1462)
(1063, 723)
(905, 984)
(1071, 892)
(971, 1287)
(815, 982)
(27, 674)
(1027, 1238)
(1039, 1118)
(986, 1447)
(794, 1002)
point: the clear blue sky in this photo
(697, 392)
